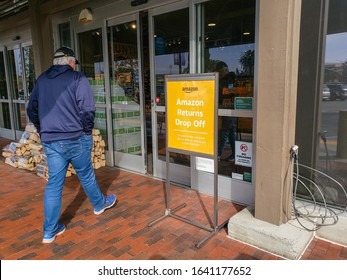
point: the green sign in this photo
(247, 176)
(243, 103)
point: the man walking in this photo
(61, 106)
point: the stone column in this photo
(277, 64)
(42, 37)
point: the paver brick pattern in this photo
(122, 232)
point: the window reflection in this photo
(3, 85)
(91, 61)
(16, 72)
(228, 34)
(333, 130)
(92, 65)
(124, 63)
(29, 68)
(65, 34)
(20, 113)
(234, 161)
(125, 88)
(5, 121)
(227, 42)
(333, 139)
(171, 48)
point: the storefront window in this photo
(226, 40)
(21, 77)
(171, 48)
(171, 56)
(91, 55)
(21, 81)
(333, 130)
(321, 126)
(65, 34)
(92, 65)
(228, 46)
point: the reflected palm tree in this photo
(247, 62)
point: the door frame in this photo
(124, 160)
(14, 132)
(7, 132)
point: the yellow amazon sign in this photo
(190, 115)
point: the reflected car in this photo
(344, 88)
(325, 92)
(337, 91)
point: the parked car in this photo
(344, 88)
(325, 92)
(338, 91)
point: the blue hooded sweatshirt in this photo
(61, 105)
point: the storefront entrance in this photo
(126, 60)
(113, 65)
(126, 72)
(126, 89)
(16, 82)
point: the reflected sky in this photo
(230, 55)
(336, 52)
(336, 48)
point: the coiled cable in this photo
(318, 212)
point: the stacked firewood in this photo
(98, 152)
(28, 154)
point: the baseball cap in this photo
(65, 52)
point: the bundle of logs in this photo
(28, 154)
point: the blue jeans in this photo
(227, 133)
(59, 154)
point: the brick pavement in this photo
(122, 232)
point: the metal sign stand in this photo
(215, 228)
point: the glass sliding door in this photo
(170, 55)
(110, 57)
(21, 78)
(91, 58)
(5, 115)
(17, 88)
(322, 104)
(333, 96)
(126, 93)
(226, 44)
(92, 65)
